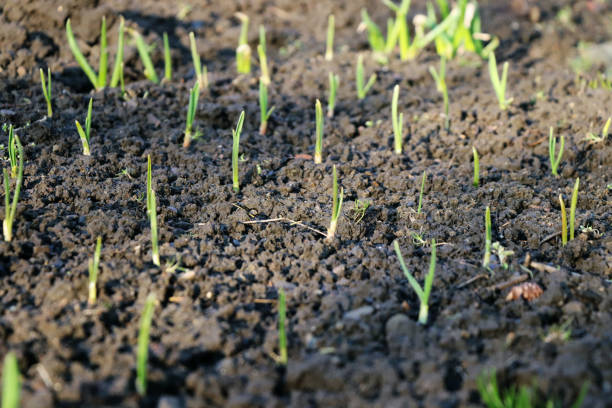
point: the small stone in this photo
(167, 401)
(573, 308)
(359, 313)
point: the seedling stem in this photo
(46, 88)
(336, 206)
(143, 344)
(235, 149)
(319, 125)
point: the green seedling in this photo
(85, 134)
(360, 209)
(201, 71)
(563, 221)
(502, 254)
(264, 112)
(398, 32)
(420, 205)
(319, 125)
(282, 328)
(94, 265)
(235, 149)
(440, 79)
(487, 254)
(243, 52)
(145, 57)
(98, 80)
(397, 121)
(167, 59)
(422, 292)
(122, 80)
(375, 36)
(593, 138)
(118, 68)
(12, 151)
(499, 85)
(334, 80)
(329, 49)
(10, 208)
(263, 60)
(336, 206)
(152, 213)
(363, 88)
(573, 202)
(46, 88)
(191, 111)
(553, 157)
(476, 181)
(11, 385)
(142, 354)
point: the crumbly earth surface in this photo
(352, 331)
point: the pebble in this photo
(359, 313)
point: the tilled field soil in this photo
(352, 331)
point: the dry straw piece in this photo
(528, 290)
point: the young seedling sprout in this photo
(142, 354)
(12, 151)
(397, 121)
(264, 112)
(422, 292)
(319, 125)
(440, 79)
(399, 30)
(593, 138)
(46, 88)
(263, 60)
(85, 134)
(10, 208)
(243, 52)
(191, 111)
(329, 50)
(11, 387)
(201, 71)
(553, 157)
(563, 221)
(235, 149)
(282, 328)
(420, 205)
(143, 51)
(336, 206)
(94, 265)
(152, 213)
(363, 88)
(573, 203)
(476, 167)
(333, 89)
(487, 255)
(167, 59)
(118, 68)
(499, 85)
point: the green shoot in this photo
(191, 111)
(440, 79)
(12, 151)
(11, 387)
(375, 36)
(360, 209)
(118, 68)
(563, 221)
(200, 70)
(499, 85)
(10, 208)
(397, 121)
(487, 255)
(235, 149)
(263, 60)
(121, 79)
(476, 168)
(143, 51)
(96, 79)
(573, 202)
(94, 265)
(422, 292)
(554, 159)
(243, 52)
(263, 107)
(152, 212)
(593, 138)
(420, 205)
(362, 89)
(319, 122)
(334, 80)
(167, 59)
(336, 206)
(142, 353)
(282, 328)
(47, 90)
(399, 31)
(87, 132)
(329, 50)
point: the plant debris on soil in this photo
(351, 316)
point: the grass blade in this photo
(118, 68)
(103, 65)
(142, 353)
(78, 55)
(11, 384)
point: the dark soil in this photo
(352, 331)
